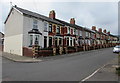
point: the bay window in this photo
(33, 39)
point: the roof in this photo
(56, 21)
(85, 28)
(36, 15)
(68, 24)
(33, 14)
(2, 33)
(114, 35)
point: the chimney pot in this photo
(108, 32)
(100, 30)
(72, 21)
(104, 31)
(52, 14)
(94, 28)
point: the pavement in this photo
(106, 73)
(17, 58)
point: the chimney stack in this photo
(94, 28)
(104, 31)
(72, 21)
(52, 14)
(108, 32)
(100, 30)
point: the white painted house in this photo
(23, 29)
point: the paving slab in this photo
(106, 73)
(18, 58)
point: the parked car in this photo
(116, 49)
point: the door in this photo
(45, 41)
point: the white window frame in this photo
(80, 33)
(35, 24)
(51, 27)
(76, 32)
(68, 30)
(58, 28)
(45, 26)
(33, 39)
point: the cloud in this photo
(101, 14)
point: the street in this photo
(70, 68)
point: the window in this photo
(35, 24)
(36, 40)
(45, 26)
(58, 29)
(86, 41)
(87, 34)
(92, 35)
(80, 33)
(31, 40)
(68, 30)
(74, 31)
(50, 27)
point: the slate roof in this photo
(36, 15)
(56, 21)
(68, 24)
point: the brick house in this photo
(24, 28)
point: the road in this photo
(70, 68)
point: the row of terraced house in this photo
(24, 29)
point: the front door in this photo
(45, 41)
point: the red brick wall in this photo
(65, 30)
(27, 52)
(1, 47)
(62, 30)
(72, 31)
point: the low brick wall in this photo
(1, 47)
(91, 47)
(80, 49)
(45, 52)
(27, 52)
(71, 49)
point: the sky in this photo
(87, 13)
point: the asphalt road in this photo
(70, 68)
